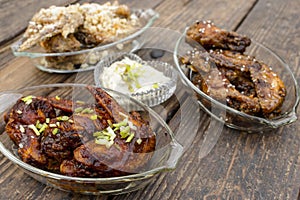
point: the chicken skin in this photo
(212, 37)
(80, 139)
(225, 73)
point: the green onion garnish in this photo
(93, 117)
(27, 100)
(55, 131)
(130, 137)
(35, 130)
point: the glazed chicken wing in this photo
(211, 37)
(269, 88)
(246, 84)
(224, 72)
(81, 139)
(20, 127)
(123, 156)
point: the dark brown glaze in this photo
(269, 88)
(212, 37)
(67, 145)
(218, 87)
(29, 143)
(243, 82)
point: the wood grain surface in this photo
(240, 166)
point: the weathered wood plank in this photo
(273, 159)
(241, 166)
(14, 15)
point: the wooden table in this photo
(241, 165)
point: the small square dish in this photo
(151, 82)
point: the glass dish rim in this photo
(150, 21)
(281, 120)
(171, 162)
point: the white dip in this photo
(129, 76)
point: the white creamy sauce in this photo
(139, 77)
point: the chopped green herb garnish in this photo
(105, 142)
(38, 124)
(139, 141)
(118, 125)
(110, 123)
(125, 132)
(62, 118)
(78, 110)
(130, 137)
(55, 131)
(47, 120)
(52, 125)
(87, 111)
(43, 127)
(155, 85)
(98, 133)
(105, 137)
(93, 117)
(28, 99)
(35, 130)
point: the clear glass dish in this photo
(85, 59)
(236, 119)
(164, 158)
(149, 95)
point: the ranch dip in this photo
(129, 76)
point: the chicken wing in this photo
(246, 84)
(211, 37)
(82, 139)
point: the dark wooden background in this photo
(241, 165)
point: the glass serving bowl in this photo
(149, 95)
(234, 118)
(165, 157)
(84, 60)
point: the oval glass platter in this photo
(164, 157)
(229, 116)
(85, 59)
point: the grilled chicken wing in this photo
(21, 124)
(67, 137)
(225, 73)
(212, 37)
(247, 85)
(123, 156)
(269, 88)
